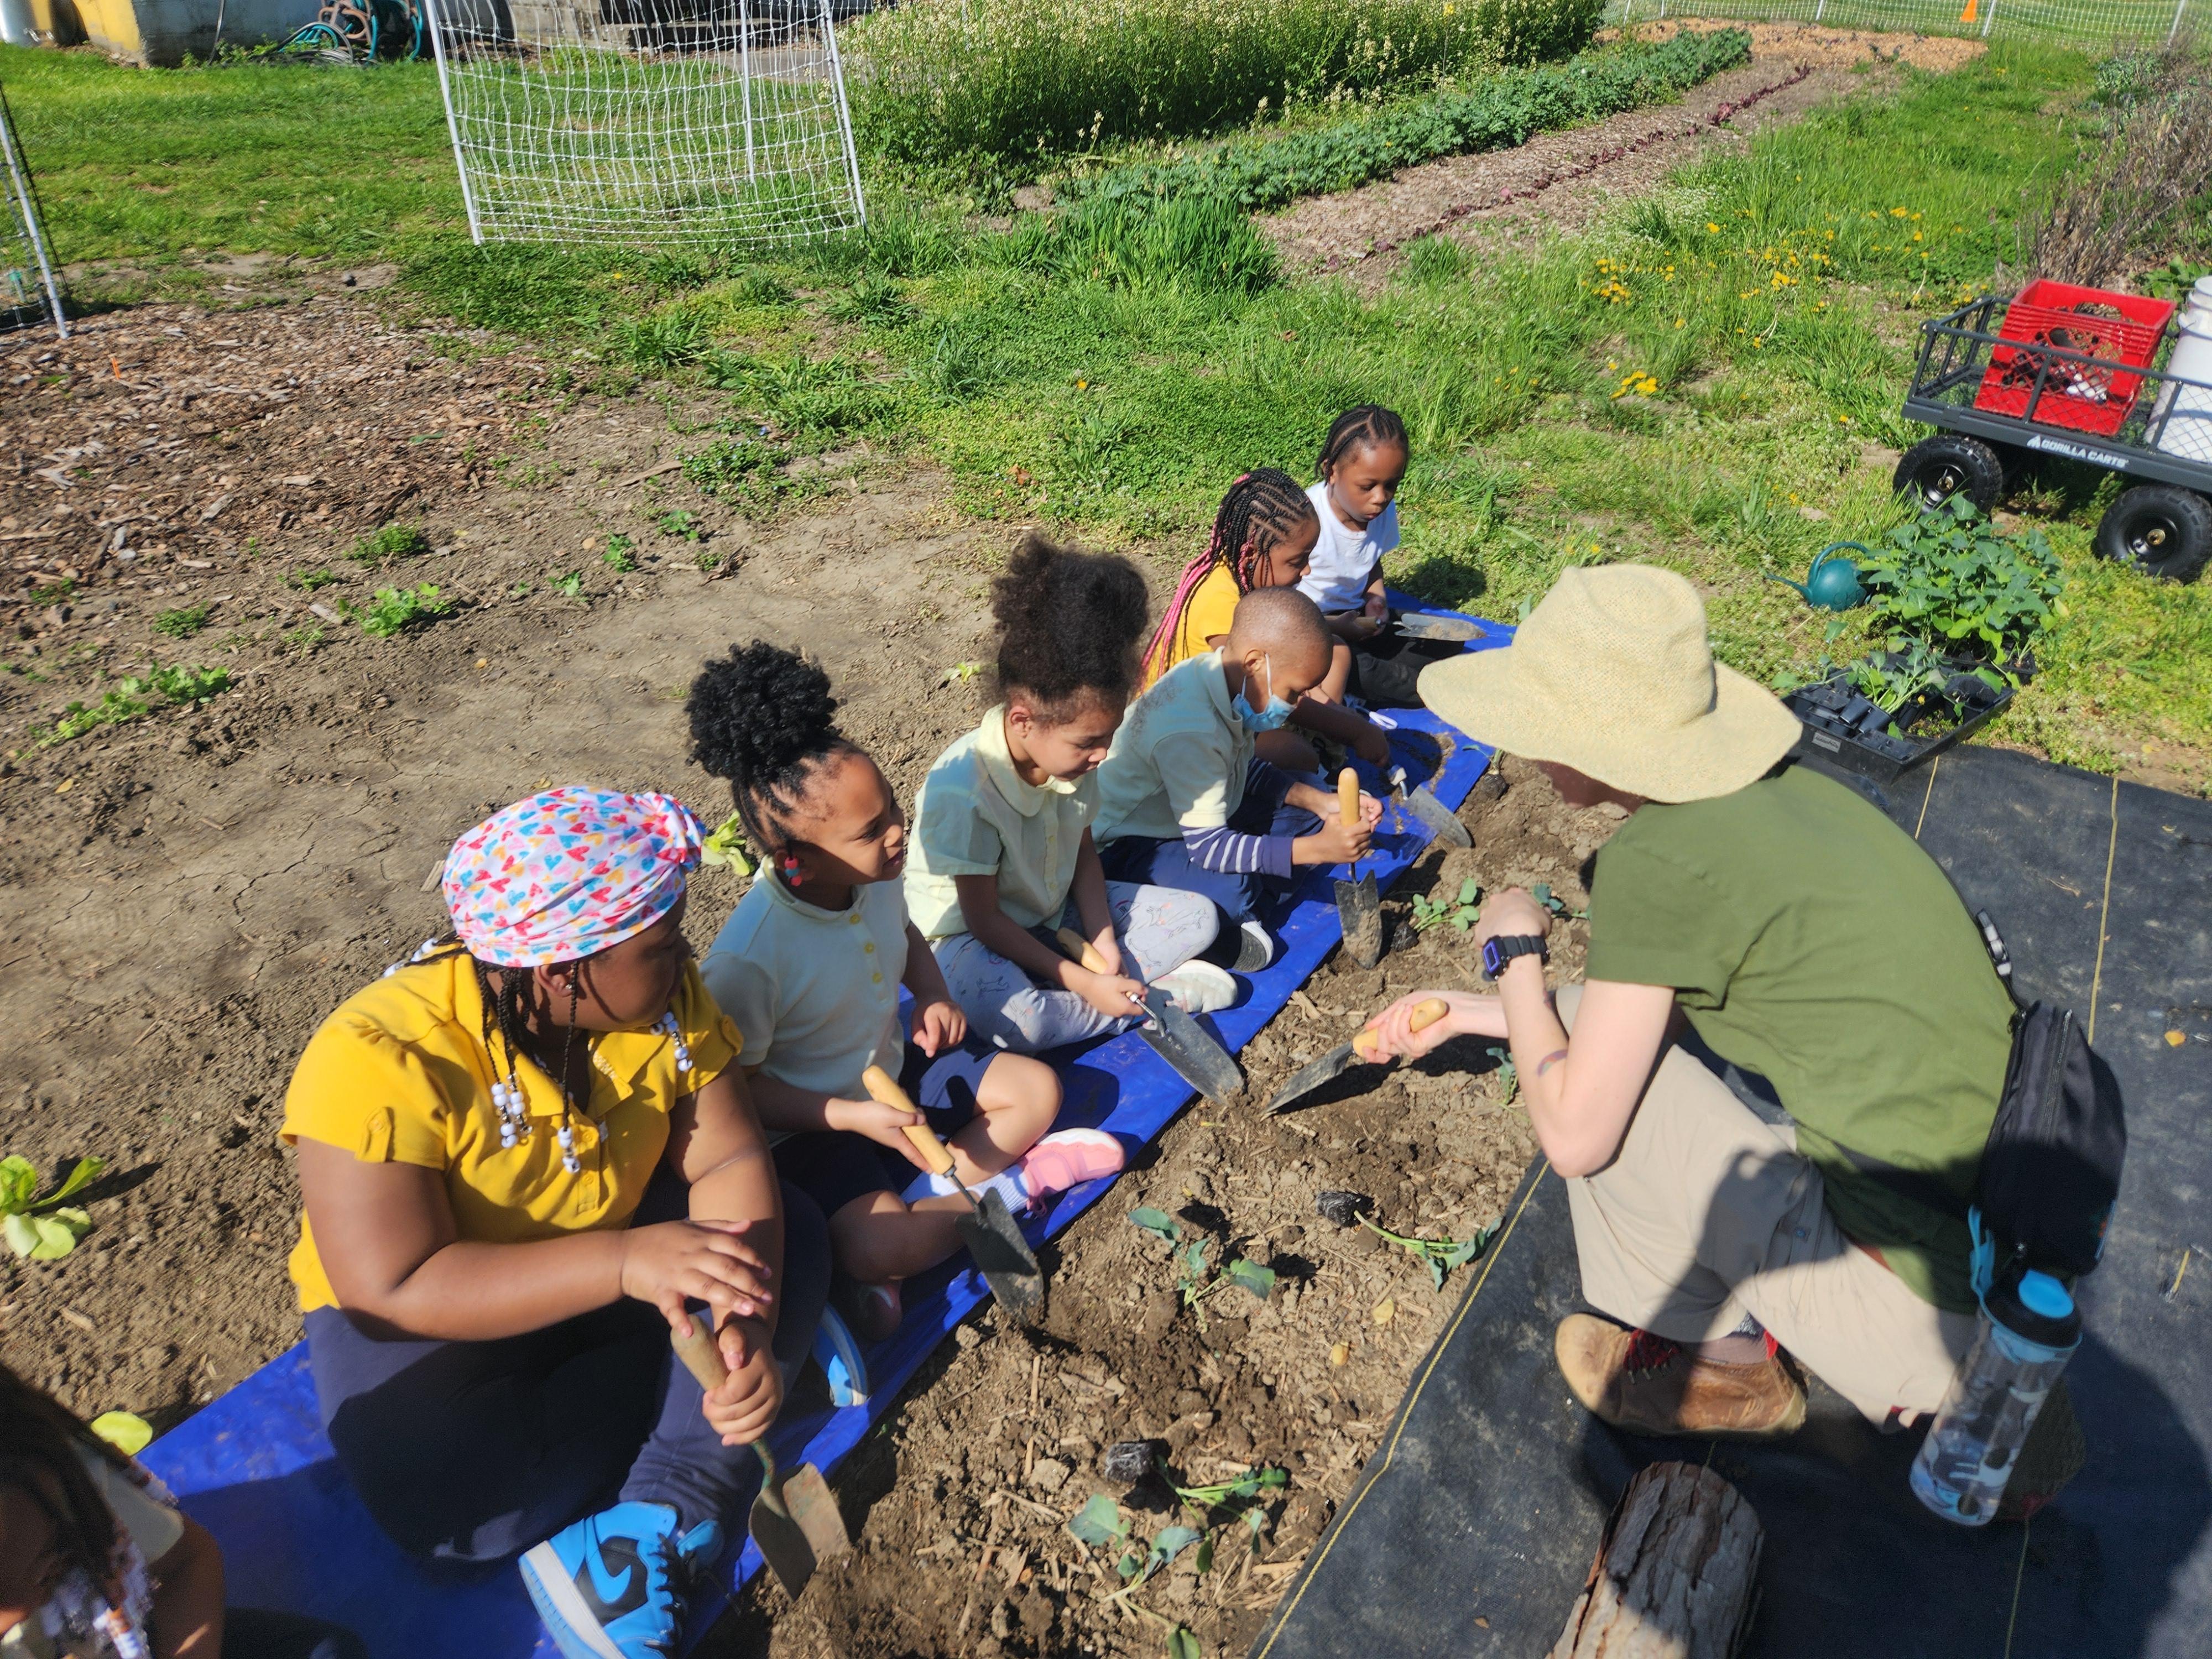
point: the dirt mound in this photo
(1811, 43)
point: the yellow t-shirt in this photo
(400, 1074)
(977, 817)
(1179, 761)
(814, 991)
(1205, 616)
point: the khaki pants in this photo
(1708, 1213)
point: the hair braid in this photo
(1261, 510)
(43, 1449)
(1365, 426)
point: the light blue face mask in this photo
(1274, 717)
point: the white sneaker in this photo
(1255, 951)
(1199, 987)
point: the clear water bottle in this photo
(2029, 1329)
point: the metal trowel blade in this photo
(1185, 1044)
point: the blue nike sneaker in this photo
(613, 1586)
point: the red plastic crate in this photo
(2122, 330)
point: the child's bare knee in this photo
(1018, 1083)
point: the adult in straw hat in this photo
(1800, 935)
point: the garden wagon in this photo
(2067, 370)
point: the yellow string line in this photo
(2019, 1573)
(2104, 910)
(1404, 1416)
(1925, 799)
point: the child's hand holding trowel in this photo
(1098, 979)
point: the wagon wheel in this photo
(1950, 464)
(2160, 530)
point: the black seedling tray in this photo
(1846, 728)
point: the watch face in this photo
(1492, 959)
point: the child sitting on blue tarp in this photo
(1003, 853)
(1185, 801)
(527, 1157)
(810, 966)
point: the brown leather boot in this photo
(1648, 1385)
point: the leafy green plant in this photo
(1460, 912)
(1543, 893)
(393, 541)
(125, 701)
(570, 587)
(1493, 113)
(53, 592)
(874, 300)
(1439, 1255)
(1196, 1278)
(184, 621)
(726, 847)
(618, 556)
(40, 1227)
(1891, 680)
(745, 471)
(393, 609)
(306, 581)
(679, 522)
(1949, 577)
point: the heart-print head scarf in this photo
(567, 874)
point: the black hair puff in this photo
(1068, 624)
(764, 718)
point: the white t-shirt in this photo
(154, 1526)
(1344, 560)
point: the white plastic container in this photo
(2188, 431)
(16, 27)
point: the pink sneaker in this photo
(1068, 1157)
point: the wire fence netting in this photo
(2094, 24)
(649, 122)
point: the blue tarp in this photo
(255, 1468)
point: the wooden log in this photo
(1674, 1577)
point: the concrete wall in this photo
(161, 32)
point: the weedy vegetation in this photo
(395, 610)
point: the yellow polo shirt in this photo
(1205, 616)
(1178, 762)
(977, 817)
(400, 1074)
(814, 992)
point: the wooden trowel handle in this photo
(701, 1354)
(1427, 1014)
(1081, 950)
(1347, 797)
(882, 1088)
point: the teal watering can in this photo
(1833, 583)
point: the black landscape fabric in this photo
(1474, 1522)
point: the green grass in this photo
(142, 168)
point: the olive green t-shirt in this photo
(1810, 939)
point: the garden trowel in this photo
(1172, 1035)
(1422, 803)
(1009, 1266)
(1359, 904)
(1427, 625)
(795, 1521)
(1332, 1064)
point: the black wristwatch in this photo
(1497, 952)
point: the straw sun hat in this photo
(1611, 675)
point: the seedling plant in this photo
(1241, 1501)
(726, 847)
(1438, 1255)
(125, 701)
(395, 609)
(1950, 582)
(182, 623)
(1460, 912)
(393, 541)
(1195, 1277)
(619, 556)
(42, 1227)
